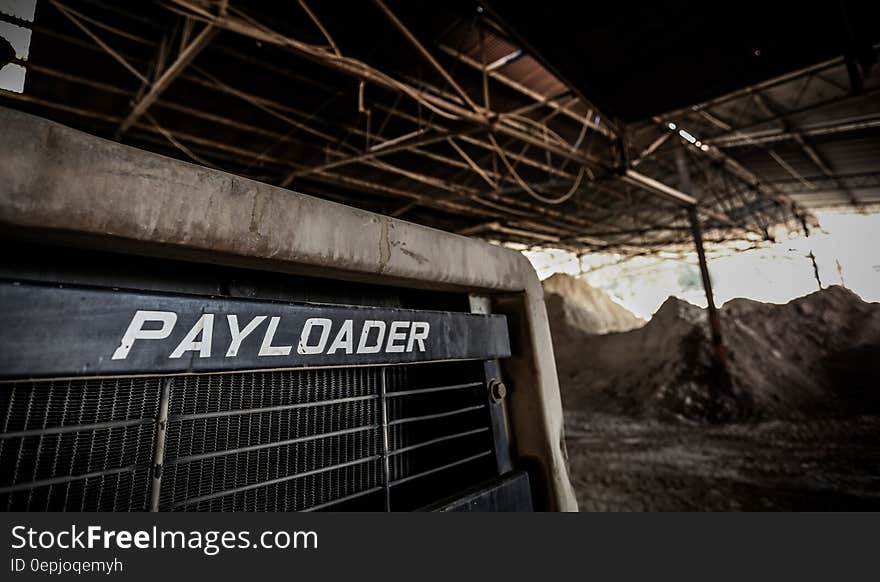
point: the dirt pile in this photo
(574, 306)
(816, 355)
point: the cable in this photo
(170, 137)
(528, 189)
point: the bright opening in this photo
(12, 75)
(847, 253)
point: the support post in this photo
(811, 256)
(718, 351)
(714, 318)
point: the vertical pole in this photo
(483, 65)
(714, 319)
(383, 404)
(856, 80)
(697, 232)
(811, 256)
(159, 444)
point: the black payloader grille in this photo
(354, 438)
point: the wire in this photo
(528, 189)
(170, 137)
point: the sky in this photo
(12, 76)
(847, 251)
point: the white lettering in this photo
(344, 339)
(303, 346)
(394, 335)
(15, 534)
(136, 330)
(418, 333)
(204, 327)
(375, 335)
(238, 336)
(94, 535)
(267, 349)
(363, 348)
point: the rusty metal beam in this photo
(363, 71)
(373, 154)
(790, 132)
(677, 196)
(648, 183)
(168, 76)
(770, 107)
(72, 16)
(741, 173)
(522, 89)
(426, 54)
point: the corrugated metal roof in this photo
(346, 106)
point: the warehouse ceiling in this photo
(447, 114)
(645, 60)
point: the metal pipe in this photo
(441, 468)
(65, 479)
(653, 185)
(437, 440)
(159, 445)
(168, 76)
(75, 428)
(383, 407)
(404, 145)
(718, 350)
(714, 319)
(426, 54)
(434, 416)
(270, 482)
(539, 99)
(794, 75)
(788, 114)
(781, 134)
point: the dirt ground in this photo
(620, 464)
(650, 428)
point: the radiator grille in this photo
(77, 445)
(372, 438)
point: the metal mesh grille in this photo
(78, 444)
(271, 440)
(249, 441)
(439, 436)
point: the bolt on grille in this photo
(356, 438)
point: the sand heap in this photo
(574, 306)
(818, 354)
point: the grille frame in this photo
(120, 274)
(358, 437)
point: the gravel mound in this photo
(817, 355)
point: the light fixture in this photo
(698, 143)
(704, 147)
(687, 136)
(672, 126)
